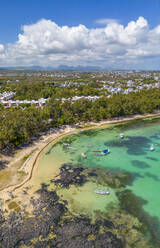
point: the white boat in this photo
(83, 155)
(102, 192)
(72, 148)
(151, 148)
(65, 144)
(121, 135)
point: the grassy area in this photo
(27, 156)
(11, 175)
(14, 206)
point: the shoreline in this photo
(53, 137)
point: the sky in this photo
(111, 34)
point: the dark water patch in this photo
(97, 131)
(130, 176)
(137, 124)
(128, 125)
(91, 132)
(157, 135)
(154, 177)
(67, 140)
(133, 124)
(140, 164)
(106, 172)
(116, 179)
(133, 205)
(154, 136)
(153, 159)
(136, 145)
(134, 176)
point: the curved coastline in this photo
(148, 223)
(68, 131)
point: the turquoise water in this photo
(131, 154)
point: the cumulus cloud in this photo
(114, 45)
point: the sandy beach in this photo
(35, 149)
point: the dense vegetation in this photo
(18, 124)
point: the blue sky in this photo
(15, 13)
(14, 39)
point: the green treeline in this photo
(36, 90)
(104, 108)
(18, 125)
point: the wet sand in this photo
(39, 145)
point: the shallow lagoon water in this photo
(130, 154)
(84, 200)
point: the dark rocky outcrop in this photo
(70, 175)
(81, 233)
(52, 225)
(19, 229)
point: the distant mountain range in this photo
(59, 68)
(78, 68)
(66, 68)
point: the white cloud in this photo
(114, 45)
(105, 21)
(1, 48)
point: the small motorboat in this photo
(65, 144)
(121, 135)
(151, 148)
(105, 152)
(83, 155)
(102, 192)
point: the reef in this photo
(51, 224)
(114, 180)
(78, 175)
(70, 175)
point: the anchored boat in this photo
(121, 135)
(83, 155)
(105, 152)
(72, 148)
(102, 192)
(151, 148)
(65, 144)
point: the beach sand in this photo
(34, 151)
